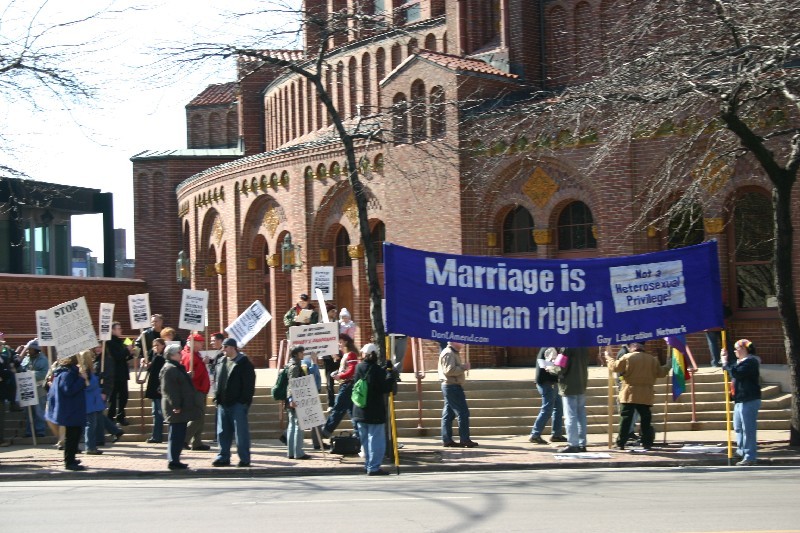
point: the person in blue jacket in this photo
(94, 404)
(66, 406)
(746, 384)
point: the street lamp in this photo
(182, 268)
(290, 256)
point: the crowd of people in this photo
(84, 396)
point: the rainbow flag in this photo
(680, 370)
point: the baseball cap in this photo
(230, 342)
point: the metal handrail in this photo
(419, 373)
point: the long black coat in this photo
(379, 383)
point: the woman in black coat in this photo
(371, 418)
(177, 403)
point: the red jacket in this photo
(347, 367)
(200, 378)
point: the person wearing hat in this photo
(236, 385)
(66, 406)
(745, 376)
(36, 361)
(638, 372)
(178, 404)
(202, 384)
(346, 324)
(371, 418)
(292, 316)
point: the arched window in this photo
(685, 227)
(444, 42)
(352, 81)
(397, 53)
(214, 130)
(366, 84)
(430, 42)
(380, 64)
(753, 239)
(419, 112)
(412, 47)
(585, 39)
(400, 118)
(196, 136)
(292, 112)
(436, 105)
(340, 88)
(378, 235)
(557, 49)
(518, 232)
(342, 258)
(299, 110)
(233, 129)
(575, 228)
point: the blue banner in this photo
(504, 301)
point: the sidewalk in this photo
(136, 460)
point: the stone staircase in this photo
(496, 408)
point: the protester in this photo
(371, 418)
(638, 371)
(168, 334)
(35, 361)
(153, 389)
(94, 403)
(202, 384)
(145, 340)
(547, 385)
(311, 368)
(120, 355)
(331, 364)
(7, 386)
(572, 383)
(66, 406)
(451, 375)
(347, 369)
(746, 384)
(178, 404)
(104, 368)
(291, 318)
(236, 383)
(213, 367)
(346, 324)
(294, 435)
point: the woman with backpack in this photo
(370, 417)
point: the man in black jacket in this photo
(120, 355)
(236, 385)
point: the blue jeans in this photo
(177, 434)
(105, 425)
(38, 416)
(158, 421)
(575, 415)
(455, 404)
(233, 420)
(343, 404)
(550, 401)
(745, 420)
(373, 443)
(294, 436)
(90, 429)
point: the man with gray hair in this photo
(451, 375)
(35, 361)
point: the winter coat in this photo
(177, 392)
(379, 383)
(66, 399)
(638, 372)
(575, 377)
(120, 355)
(238, 385)
(450, 368)
(153, 388)
(94, 398)
(200, 379)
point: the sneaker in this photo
(569, 449)
(282, 438)
(75, 467)
(243, 464)
(123, 422)
(745, 462)
(201, 447)
(303, 457)
(93, 452)
(117, 436)
(469, 444)
(378, 472)
(221, 462)
(537, 440)
(558, 438)
(582, 449)
(451, 444)
(177, 466)
(151, 440)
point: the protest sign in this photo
(320, 339)
(26, 389)
(43, 331)
(249, 323)
(72, 327)
(323, 309)
(306, 399)
(104, 324)
(139, 308)
(504, 301)
(322, 279)
(193, 309)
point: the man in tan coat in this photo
(638, 372)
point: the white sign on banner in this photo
(72, 327)
(139, 307)
(319, 339)
(306, 399)
(43, 331)
(322, 279)
(104, 324)
(249, 323)
(193, 309)
(26, 389)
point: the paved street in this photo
(597, 500)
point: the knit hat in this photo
(344, 313)
(33, 345)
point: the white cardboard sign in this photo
(26, 389)
(193, 309)
(322, 279)
(320, 339)
(43, 330)
(249, 323)
(306, 400)
(139, 307)
(72, 327)
(104, 324)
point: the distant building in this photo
(81, 261)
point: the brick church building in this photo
(262, 163)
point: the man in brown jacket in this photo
(638, 372)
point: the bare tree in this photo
(716, 83)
